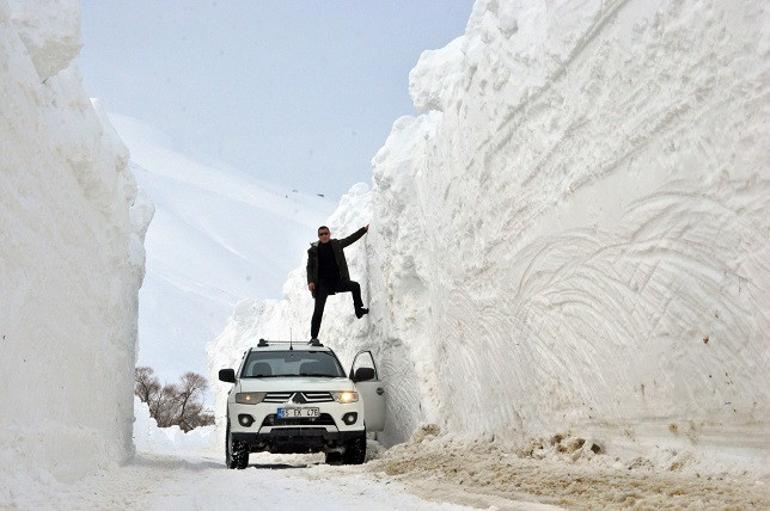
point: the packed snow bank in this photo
(148, 437)
(564, 471)
(573, 235)
(71, 258)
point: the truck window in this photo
(272, 364)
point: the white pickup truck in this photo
(296, 398)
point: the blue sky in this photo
(298, 93)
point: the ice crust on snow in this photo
(571, 236)
(71, 258)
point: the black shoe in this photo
(361, 312)
(314, 340)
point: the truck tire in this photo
(355, 450)
(333, 458)
(235, 456)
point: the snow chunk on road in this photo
(561, 471)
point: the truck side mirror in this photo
(363, 374)
(227, 375)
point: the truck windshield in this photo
(273, 364)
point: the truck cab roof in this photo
(265, 345)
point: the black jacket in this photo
(339, 256)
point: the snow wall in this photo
(573, 234)
(71, 257)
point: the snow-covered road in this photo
(418, 476)
(201, 482)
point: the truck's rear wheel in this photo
(355, 450)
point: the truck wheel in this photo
(235, 455)
(333, 458)
(242, 460)
(229, 462)
(355, 451)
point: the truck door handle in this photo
(380, 391)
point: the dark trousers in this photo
(323, 291)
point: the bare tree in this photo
(197, 417)
(170, 405)
(146, 385)
(191, 387)
(165, 405)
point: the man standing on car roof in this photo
(327, 274)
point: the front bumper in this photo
(328, 432)
(262, 417)
(294, 440)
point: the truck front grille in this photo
(298, 397)
(277, 397)
(317, 397)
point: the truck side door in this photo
(366, 377)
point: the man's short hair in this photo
(323, 227)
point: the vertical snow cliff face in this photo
(574, 232)
(578, 223)
(71, 256)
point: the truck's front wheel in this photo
(235, 455)
(333, 458)
(355, 450)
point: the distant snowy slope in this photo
(218, 236)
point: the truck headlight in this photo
(249, 398)
(347, 396)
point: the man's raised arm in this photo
(354, 237)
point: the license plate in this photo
(297, 413)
